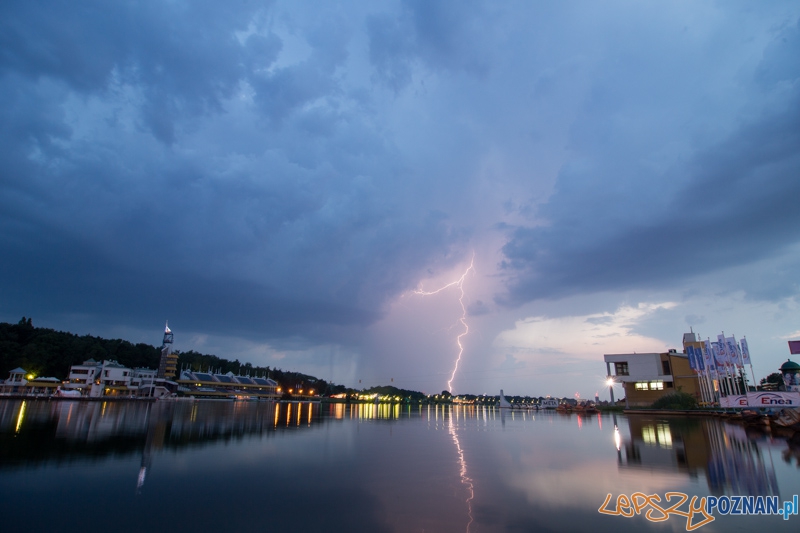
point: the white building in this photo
(81, 377)
(15, 384)
(20, 383)
(108, 378)
(649, 376)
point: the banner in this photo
(745, 351)
(733, 351)
(775, 400)
(690, 355)
(722, 346)
(719, 356)
(698, 355)
(708, 358)
(794, 347)
(692, 358)
(723, 350)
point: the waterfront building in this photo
(81, 377)
(142, 376)
(227, 385)
(93, 378)
(20, 383)
(109, 378)
(15, 384)
(42, 386)
(646, 377)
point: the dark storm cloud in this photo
(185, 58)
(268, 169)
(615, 224)
(437, 34)
(157, 160)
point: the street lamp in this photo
(610, 383)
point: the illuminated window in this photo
(656, 385)
(621, 369)
(658, 435)
(649, 433)
(641, 385)
(663, 435)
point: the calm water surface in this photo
(248, 466)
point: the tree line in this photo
(45, 352)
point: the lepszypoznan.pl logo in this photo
(699, 511)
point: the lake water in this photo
(249, 466)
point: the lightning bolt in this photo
(460, 284)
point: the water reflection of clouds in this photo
(569, 467)
(438, 468)
(555, 465)
(585, 481)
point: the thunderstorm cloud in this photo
(285, 173)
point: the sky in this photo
(286, 181)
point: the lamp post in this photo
(610, 381)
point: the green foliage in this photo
(676, 400)
(46, 352)
(775, 377)
(388, 390)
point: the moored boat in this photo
(787, 419)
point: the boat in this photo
(752, 418)
(548, 403)
(65, 393)
(787, 419)
(586, 408)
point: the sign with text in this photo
(761, 399)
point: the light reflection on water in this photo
(462, 463)
(370, 467)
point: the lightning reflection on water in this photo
(465, 479)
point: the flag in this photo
(698, 355)
(719, 355)
(745, 352)
(708, 358)
(794, 347)
(723, 350)
(733, 351)
(692, 358)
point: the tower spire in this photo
(168, 364)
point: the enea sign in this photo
(762, 399)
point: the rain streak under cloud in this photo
(276, 178)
